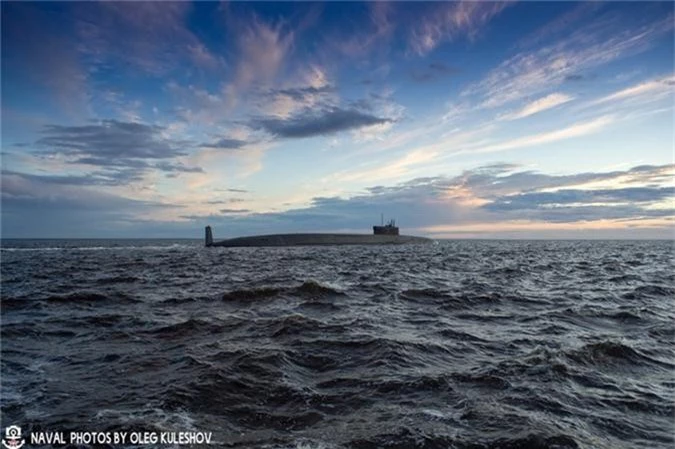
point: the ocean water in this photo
(457, 344)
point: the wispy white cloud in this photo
(653, 89)
(196, 105)
(542, 104)
(532, 72)
(576, 130)
(391, 170)
(263, 48)
(378, 30)
(203, 57)
(148, 36)
(561, 24)
(448, 21)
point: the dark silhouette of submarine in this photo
(382, 235)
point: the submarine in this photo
(382, 235)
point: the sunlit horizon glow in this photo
(459, 119)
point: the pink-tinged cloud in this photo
(576, 130)
(653, 89)
(542, 104)
(448, 21)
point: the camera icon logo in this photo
(13, 438)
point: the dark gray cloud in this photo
(651, 173)
(234, 211)
(127, 170)
(300, 93)
(326, 121)
(101, 178)
(225, 144)
(112, 162)
(563, 197)
(123, 151)
(111, 140)
(226, 201)
(177, 168)
(232, 190)
(578, 77)
(569, 205)
(432, 72)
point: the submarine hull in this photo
(320, 240)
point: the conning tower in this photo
(388, 229)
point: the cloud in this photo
(111, 139)
(60, 207)
(124, 151)
(226, 144)
(562, 24)
(653, 89)
(542, 104)
(301, 93)
(423, 25)
(503, 180)
(227, 201)
(114, 178)
(195, 105)
(324, 122)
(234, 211)
(149, 37)
(578, 77)
(389, 170)
(177, 167)
(370, 36)
(448, 21)
(234, 190)
(567, 197)
(576, 130)
(262, 50)
(590, 45)
(203, 57)
(315, 91)
(432, 72)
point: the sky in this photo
(458, 119)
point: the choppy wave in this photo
(468, 345)
(309, 288)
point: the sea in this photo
(465, 344)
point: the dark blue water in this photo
(459, 344)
